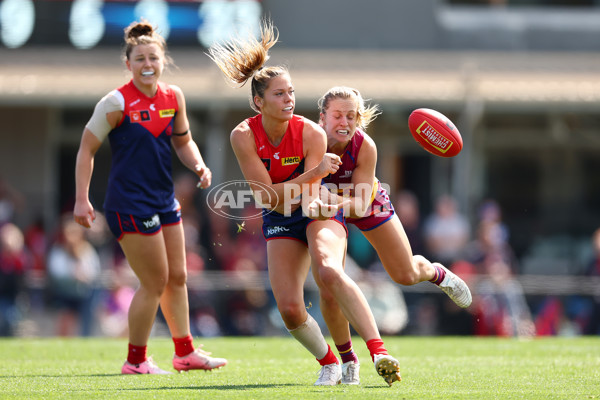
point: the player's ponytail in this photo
(243, 59)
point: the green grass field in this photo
(279, 368)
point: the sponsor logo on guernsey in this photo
(152, 107)
(267, 163)
(151, 222)
(290, 160)
(437, 140)
(166, 113)
(133, 103)
(139, 116)
(346, 174)
(274, 230)
(276, 156)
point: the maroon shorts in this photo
(380, 210)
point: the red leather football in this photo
(435, 132)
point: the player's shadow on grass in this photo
(214, 387)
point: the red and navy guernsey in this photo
(140, 180)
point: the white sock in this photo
(311, 337)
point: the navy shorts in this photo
(121, 224)
(278, 226)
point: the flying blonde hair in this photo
(243, 59)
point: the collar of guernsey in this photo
(153, 113)
(343, 176)
(286, 160)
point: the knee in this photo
(326, 297)
(156, 287)
(178, 278)
(293, 314)
(330, 276)
(410, 275)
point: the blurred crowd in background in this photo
(68, 281)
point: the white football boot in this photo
(351, 373)
(388, 368)
(455, 288)
(329, 375)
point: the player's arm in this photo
(106, 116)
(315, 145)
(363, 179)
(184, 145)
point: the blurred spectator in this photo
(11, 202)
(247, 308)
(37, 243)
(407, 208)
(73, 268)
(14, 262)
(502, 309)
(592, 326)
(490, 241)
(576, 314)
(446, 231)
(500, 305)
(113, 312)
(593, 268)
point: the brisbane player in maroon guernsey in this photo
(344, 116)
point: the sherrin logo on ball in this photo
(435, 132)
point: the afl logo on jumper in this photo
(139, 116)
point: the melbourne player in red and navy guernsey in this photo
(145, 121)
(284, 162)
(140, 180)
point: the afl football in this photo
(435, 132)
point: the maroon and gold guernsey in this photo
(286, 160)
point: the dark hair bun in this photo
(139, 29)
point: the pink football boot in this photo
(147, 367)
(197, 359)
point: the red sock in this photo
(184, 345)
(346, 352)
(136, 354)
(329, 358)
(440, 274)
(376, 346)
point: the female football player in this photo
(282, 156)
(344, 117)
(142, 120)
